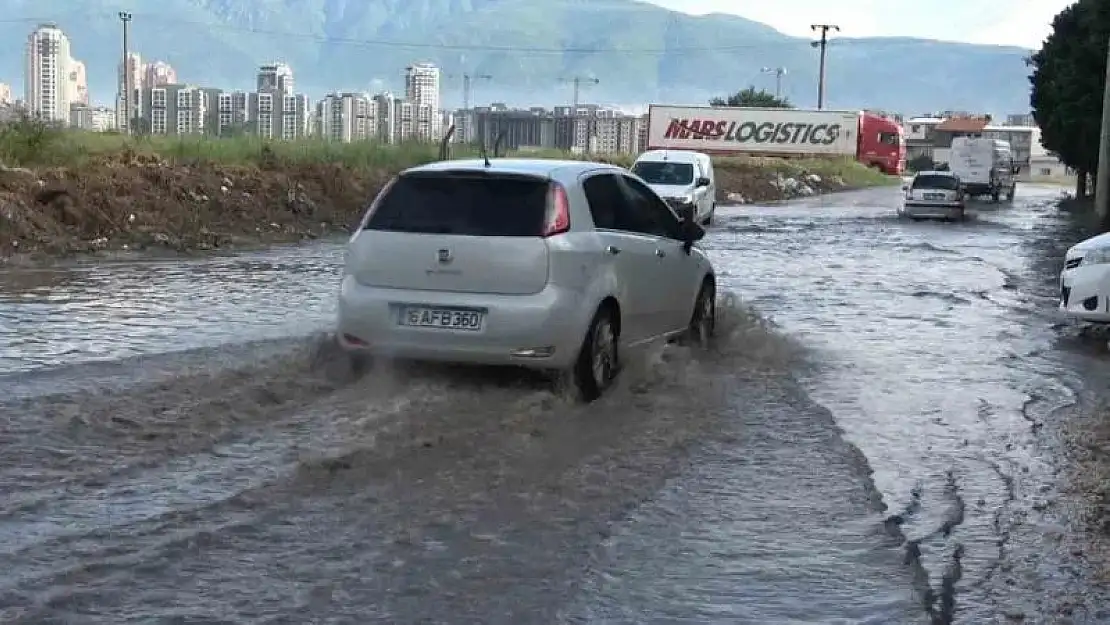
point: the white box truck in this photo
(728, 131)
(985, 167)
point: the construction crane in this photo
(578, 81)
(468, 80)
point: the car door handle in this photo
(612, 249)
(660, 253)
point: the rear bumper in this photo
(549, 322)
(1085, 293)
(978, 189)
(933, 210)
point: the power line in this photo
(424, 45)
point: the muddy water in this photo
(187, 449)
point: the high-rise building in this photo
(50, 81)
(422, 89)
(275, 78)
(77, 83)
(131, 107)
(7, 98)
(348, 117)
(158, 73)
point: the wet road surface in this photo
(188, 449)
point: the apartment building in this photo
(178, 109)
(7, 97)
(387, 106)
(277, 77)
(274, 115)
(588, 129)
(141, 77)
(92, 118)
(232, 113)
(53, 78)
(348, 117)
(422, 90)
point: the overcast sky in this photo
(1022, 23)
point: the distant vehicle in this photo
(684, 179)
(546, 264)
(934, 195)
(985, 167)
(871, 139)
(1085, 281)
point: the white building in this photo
(422, 89)
(52, 75)
(348, 117)
(275, 77)
(7, 98)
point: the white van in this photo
(684, 178)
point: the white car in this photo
(553, 265)
(682, 178)
(1085, 280)
(934, 195)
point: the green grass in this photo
(29, 144)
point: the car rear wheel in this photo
(598, 360)
(703, 322)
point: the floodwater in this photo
(874, 440)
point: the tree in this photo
(1067, 85)
(753, 98)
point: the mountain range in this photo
(530, 49)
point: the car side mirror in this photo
(702, 182)
(905, 187)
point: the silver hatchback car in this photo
(546, 264)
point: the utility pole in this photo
(578, 81)
(823, 43)
(125, 19)
(779, 72)
(1102, 180)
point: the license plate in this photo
(934, 196)
(443, 318)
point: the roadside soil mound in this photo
(129, 201)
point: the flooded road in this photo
(178, 444)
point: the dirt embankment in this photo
(133, 202)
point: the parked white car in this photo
(553, 265)
(934, 195)
(1085, 281)
(682, 178)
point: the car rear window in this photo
(947, 183)
(475, 204)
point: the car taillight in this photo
(558, 212)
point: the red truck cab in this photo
(882, 144)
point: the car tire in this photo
(708, 221)
(598, 359)
(703, 320)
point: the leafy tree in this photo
(753, 98)
(1067, 85)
